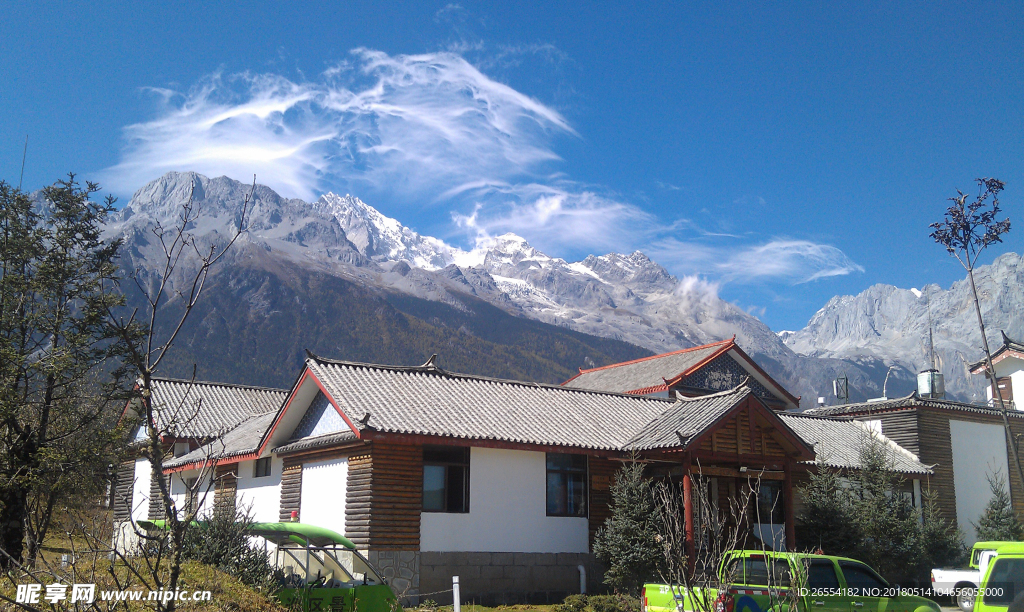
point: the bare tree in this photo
(691, 571)
(182, 275)
(966, 230)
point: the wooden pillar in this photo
(688, 518)
(787, 504)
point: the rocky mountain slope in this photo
(339, 277)
(891, 324)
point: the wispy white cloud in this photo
(433, 129)
(780, 259)
(416, 124)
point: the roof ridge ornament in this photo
(431, 363)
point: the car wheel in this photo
(965, 599)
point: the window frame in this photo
(447, 465)
(779, 506)
(268, 461)
(568, 472)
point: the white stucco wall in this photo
(507, 510)
(140, 490)
(204, 493)
(1014, 368)
(978, 449)
(261, 496)
(322, 500)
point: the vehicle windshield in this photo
(1005, 584)
(328, 567)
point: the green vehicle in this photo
(1002, 584)
(321, 569)
(759, 581)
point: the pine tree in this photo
(887, 519)
(998, 521)
(943, 542)
(628, 541)
(827, 520)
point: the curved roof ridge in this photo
(216, 384)
(458, 375)
(649, 357)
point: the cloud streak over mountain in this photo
(430, 130)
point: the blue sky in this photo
(783, 152)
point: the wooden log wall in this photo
(225, 489)
(156, 504)
(395, 498)
(602, 475)
(901, 427)
(358, 497)
(291, 488)
(124, 487)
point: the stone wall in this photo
(401, 568)
(500, 578)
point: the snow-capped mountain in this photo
(382, 238)
(624, 297)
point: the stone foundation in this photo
(500, 578)
(401, 568)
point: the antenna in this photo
(24, 153)
(931, 341)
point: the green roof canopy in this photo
(281, 533)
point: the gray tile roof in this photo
(242, 439)
(311, 442)
(910, 401)
(837, 442)
(1008, 345)
(642, 373)
(681, 422)
(429, 401)
(198, 409)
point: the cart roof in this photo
(283, 533)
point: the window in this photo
(861, 577)
(1005, 582)
(821, 575)
(770, 506)
(567, 485)
(445, 479)
(180, 449)
(262, 468)
(756, 572)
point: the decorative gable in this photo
(724, 373)
(320, 418)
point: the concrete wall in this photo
(499, 578)
(507, 510)
(204, 493)
(262, 496)
(978, 449)
(322, 501)
(140, 490)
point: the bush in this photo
(224, 542)
(599, 603)
(619, 602)
(572, 603)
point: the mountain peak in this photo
(380, 237)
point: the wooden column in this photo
(787, 505)
(688, 518)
